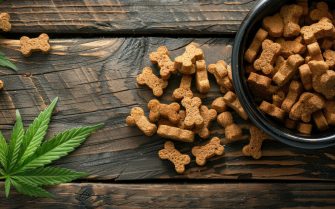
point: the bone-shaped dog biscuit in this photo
(314, 51)
(268, 56)
(274, 25)
(287, 71)
(291, 15)
(161, 57)
(329, 55)
(201, 77)
(4, 22)
(30, 45)
(184, 89)
(255, 46)
(208, 115)
(232, 101)
(323, 79)
(321, 11)
(193, 116)
(147, 77)
(172, 154)
(220, 72)
(272, 110)
(323, 28)
(254, 148)
(185, 62)
(138, 118)
(203, 153)
(175, 133)
(293, 95)
(168, 111)
(231, 129)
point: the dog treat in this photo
(30, 45)
(268, 56)
(321, 11)
(287, 71)
(185, 62)
(147, 77)
(323, 80)
(161, 57)
(184, 89)
(280, 62)
(330, 112)
(329, 55)
(168, 111)
(4, 22)
(219, 105)
(322, 29)
(193, 116)
(232, 130)
(255, 46)
(175, 133)
(254, 148)
(290, 124)
(320, 120)
(230, 73)
(138, 118)
(232, 101)
(203, 153)
(289, 48)
(208, 116)
(295, 91)
(182, 116)
(306, 76)
(291, 15)
(272, 110)
(278, 98)
(173, 155)
(304, 5)
(220, 72)
(327, 44)
(307, 104)
(259, 85)
(201, 77)
(315, 51)
(274, 25)
(305, 128)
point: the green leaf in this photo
(30, 190)
(3, 151)
(15, 142)
(36, 132)
(4, 62)
(48, 176)
(59, 146)
(7, 186)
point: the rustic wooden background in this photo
(98, 48)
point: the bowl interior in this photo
(243, 39)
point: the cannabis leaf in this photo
(4, 61)
(24, 159)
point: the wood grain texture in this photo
(95, 81)
(127, 16)
(229, 195)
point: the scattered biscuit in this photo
(278, 98)
(172, 154)
(232, 101)
(174, 133)
(185, 62)
(232, 130)
(4, 22)
(203, 153)
(193, 117)
(201, 77)
(305, 128)
(254, 148)
(184, 89)
(329, 55)
(30, 45)
(320, 120)
(260, 85)
(287, 71)
(168, 111)
(255, 46)
(220, 72)
(208, 116)
(321, 11)
(315, 51)
(147, 77)
(161, 57)
(138, 118)
(306, 76)
(219, 105)
(323, 79)
(289, 48)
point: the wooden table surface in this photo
(98, 48)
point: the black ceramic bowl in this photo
(276, 130)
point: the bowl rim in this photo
(254, 114)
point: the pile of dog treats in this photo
(28, 45)
(290, 66)
(186, 117)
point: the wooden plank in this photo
(228, 195)
(127, 16)
(95, 80)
